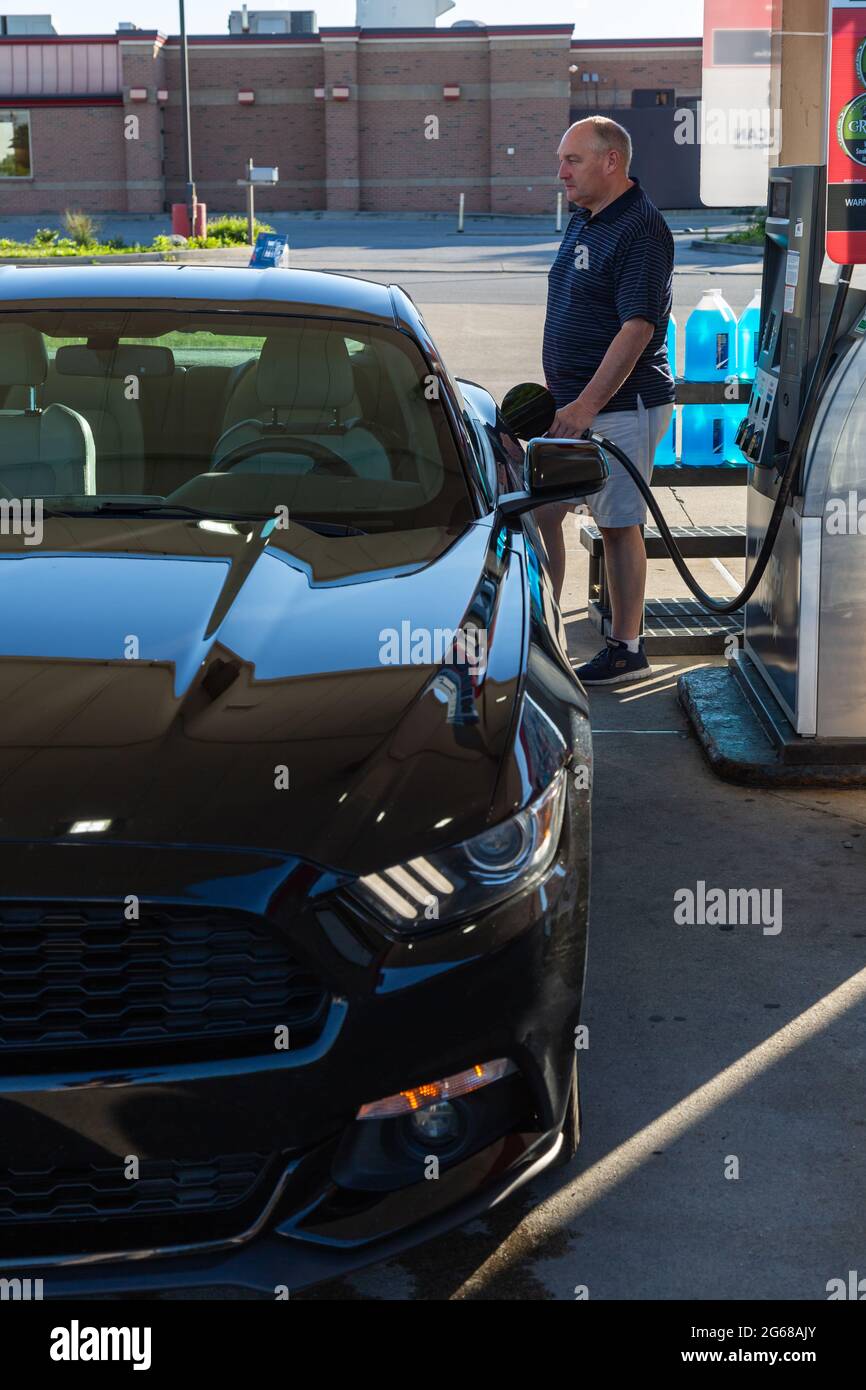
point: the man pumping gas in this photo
(606, 364)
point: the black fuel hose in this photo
(798, 446)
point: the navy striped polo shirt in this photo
(610, 268)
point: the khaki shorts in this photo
(637, 433)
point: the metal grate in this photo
(162, 1186)
(694, 542)
(682, 626)
(80, 975)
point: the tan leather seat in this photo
(302, 383)
(114, 420)
(46, 451)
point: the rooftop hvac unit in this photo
(400, 14)
(26, 24)
(247, 21)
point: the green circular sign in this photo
(851, 129)
(860, 64)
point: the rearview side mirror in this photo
(558, 470)
(577, 467)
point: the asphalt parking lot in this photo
(706, 1044)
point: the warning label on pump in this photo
(792, 268)
(790, 291)
(846, 136)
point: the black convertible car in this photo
(294, 783)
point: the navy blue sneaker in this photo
(615, 663)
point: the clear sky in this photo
(591, 18)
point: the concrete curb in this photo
(127, 258)
(730, 248)
(735, 744)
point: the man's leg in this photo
(619, 511)
(550, 521)
(625, 567)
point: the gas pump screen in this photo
(846, 136)
(780, 198)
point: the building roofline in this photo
(54, 39)
(337, 32)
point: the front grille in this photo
(178, 980)
(162, 1186)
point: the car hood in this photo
(215, 686)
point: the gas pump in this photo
(800, 640)
(791, 705)
(790, 332)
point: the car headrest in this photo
(23, 357)
(307, 370)
(119, 361)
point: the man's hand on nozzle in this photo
(571, 420)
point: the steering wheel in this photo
(326, 461)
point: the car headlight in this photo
(473, 875)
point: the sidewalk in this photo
(356, 229)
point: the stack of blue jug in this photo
(719, 347)
(711, 355)
(666, 449)
(748, 335)
(748, 332)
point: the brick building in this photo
(355, 119)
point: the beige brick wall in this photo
(285, 127)
(529, 111)
(396, 145)
(78, 162)
(419, 151)
(619, 74)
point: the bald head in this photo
(594, 157)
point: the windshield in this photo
(225, 414)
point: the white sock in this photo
(633, 643)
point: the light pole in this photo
(187, 133)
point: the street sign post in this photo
(264, 176)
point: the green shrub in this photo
(753, 235)
(80, 227)
(81, 239)
(231, 231)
